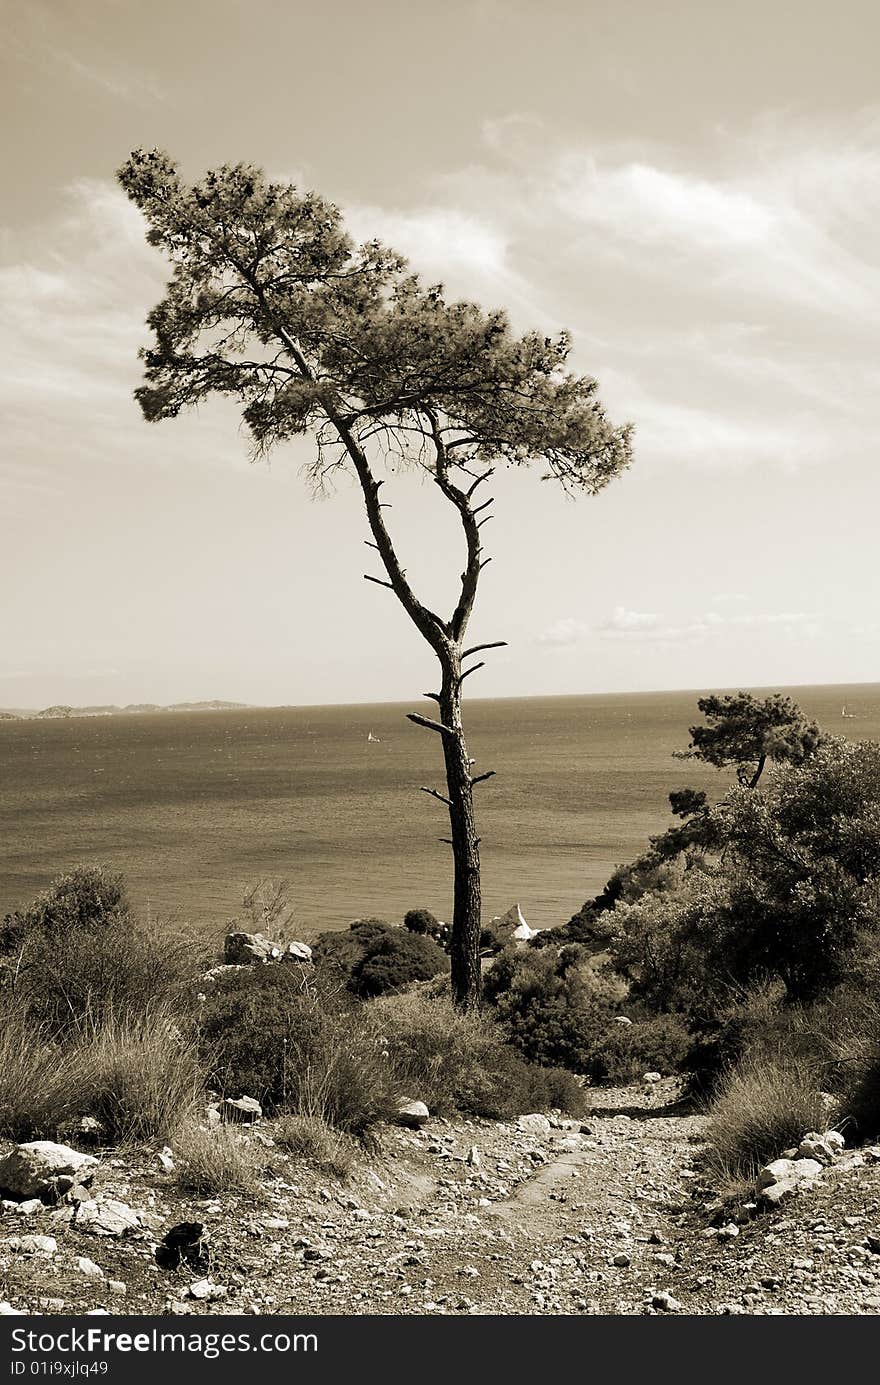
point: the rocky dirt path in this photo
(605, 1216)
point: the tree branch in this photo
(478, 648)
(379, 582)
(435, 793)
(469, 671)
(430, 725)
(478, 778)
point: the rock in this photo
(788, 1170)
(512, 927)
(569, 1144)
(90, 1130)
(814, 1146)
(243, 1109)
(166, 1159)
(27, 1208)
(33, 1245)
(621, 1260)
(665, 1303)
(187, 1241)
(297, 952)
(7, 1311)
(622, 1019)
(473, 1157)
(728, 1232)
(116, 1286)
(44, 1169)
(652, 1077)
(89, 1268)
(213, 1117)
(204, 1289)
(834, 1139)
(534, 1124)
(412, 1114)
(107, 1217)
(245, 949)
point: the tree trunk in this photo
(465, 947)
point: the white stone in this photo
(107, 1217)
(33, 1245)
(42, 1167)
(243, 1108)
(89, 1268)
(534, 1124)
(412, 1114)
(622, 1019)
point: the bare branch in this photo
(378, 581)
(435, 697)
(485, 520)
(485, 505)
(478, 778)
(479, 481)
(369, 544)
(430, 725)
(478, 648)
(473, 669)
(484, 562)
(435, 793)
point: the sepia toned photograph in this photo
(439, 670)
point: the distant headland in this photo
(111, 710)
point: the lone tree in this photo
(747, 731)
(271, 302)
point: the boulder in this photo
(107, 1217)
(244, 1109)
(816, 1147)
(651, 1078)
(789, 1170)
(44, 1169)
(33, 1245)
(534, 1124)
(412, 1114)
(186, 1242)
(622, 1019)
(512, 927)
(246, 948)
(297, 952)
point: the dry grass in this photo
(139, 1076)
(311, 1139)
(215, 1160)
(36, 1096)
(762, 1108)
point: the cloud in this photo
(563, 632)
(636, 626)
(436, 239)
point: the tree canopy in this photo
(747, 731)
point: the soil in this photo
(610, 1215)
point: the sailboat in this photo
(848, 716)
(374, 739)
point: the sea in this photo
(196, 807)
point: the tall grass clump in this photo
(458, 1062)
(312, 1140)
(277, 1034)
(140, 1076)
(214, 1161)
(36, 1094)
(760, 1110)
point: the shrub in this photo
(659, 1044)
(761, 1109)
(87, 898)
(276, 1034)
(310, 1138)
(77, 979)
(37, 1097)
(372, 957)
(421, 921)
(553, 1005)
(460, 1063)
(139, 1076)
(214, 1161)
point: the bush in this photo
(310, 1138)
(37, 1097)
(77, 979)
(372, 957)
(553, 1005)
(276, 1034)
(87, 899)
(761, 1110)
(627, 1051)
(214, 1161)
(139, 1076)
(421, 921)
(460, 1063)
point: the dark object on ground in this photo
(185, 1242)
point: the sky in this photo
(692, 190)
